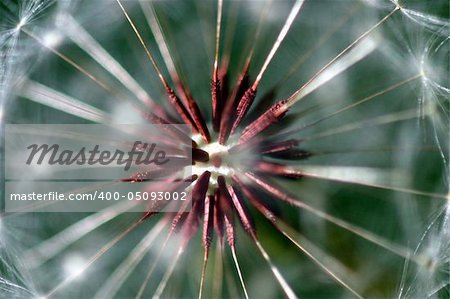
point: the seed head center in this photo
(219, 163)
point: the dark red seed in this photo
(208, 222)
(229, 110)
(277, 169)
(229, 228)
(244, 215)
(268, 118)
(199, 121)
(255, 201)
(197, 194)
(279, 146)
(218, 216)
(192, 107)
(243, 106)
(271, 188)
(201, 187)
(293, 154)
(216, 103)
(192, 223)
(199, 155)
(224, 86)
(225, 199)
(181, 110)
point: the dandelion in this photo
(320, 147)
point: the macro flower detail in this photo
(316, 166)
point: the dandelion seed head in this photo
(243, 177)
